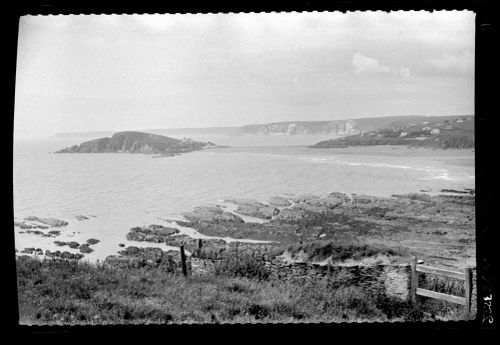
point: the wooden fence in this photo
(465, 276)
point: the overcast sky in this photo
(119, 72)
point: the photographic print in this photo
(245, 168)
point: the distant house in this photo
(435, 131)
(426, 129)
(403, 134)
(448, 127)
(425, 123)
(459, 120)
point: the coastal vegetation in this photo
(56, 291)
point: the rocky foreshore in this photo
(439, 229)
(436, 228)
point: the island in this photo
(454, 133)
(138, 142)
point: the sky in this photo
(131, 72)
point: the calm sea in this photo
(125, 190)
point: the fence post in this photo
(413, 281)
(183, 261)
(200, 243)
(468, 289)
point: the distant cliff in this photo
(137, 142)
(337, 127)
(445, 133)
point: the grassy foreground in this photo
(54, 291)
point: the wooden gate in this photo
(465, 276)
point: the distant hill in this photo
(73, 135)
(164, 131)
(334, 127)
(337, 127)
(197, 131)
(137, 142)
(437, 132)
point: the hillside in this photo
(137, 142)
(443, 133)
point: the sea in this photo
(118, 191)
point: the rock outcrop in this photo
(211, 214)
(152, 233)
(51, 222)
(137, 142)
(279, 201)
(63, 255)
(254, 208)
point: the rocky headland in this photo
(138, 142)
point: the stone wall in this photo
(380, 279)
(391, 280)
